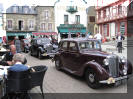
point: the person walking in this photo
(98, 36)
(17, 44)
(119, 39)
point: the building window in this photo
(104, 14)
(119, 9)
(46, 15)
(43, 26)
(31, 24)
(92, 18)
(21, 25)
(99, 15)
(105, 30)
(49, 26)
(65, 19)
(122, 27)
(15, 9)
(9, 23)
(77, 19)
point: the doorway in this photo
(20, 24)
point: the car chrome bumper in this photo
(48, 54)
(112, 80)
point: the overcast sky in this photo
(8, 3)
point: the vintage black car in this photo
(42, 47)
(84, 57)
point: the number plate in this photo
(45, 54)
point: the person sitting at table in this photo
(7, 60)
(18, 60)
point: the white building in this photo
(70, 17)
(2, 32)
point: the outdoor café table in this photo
(3, 51)
(3, 75)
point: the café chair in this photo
(37, 76)
(17, 84)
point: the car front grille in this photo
(49, 49)
(114, 65)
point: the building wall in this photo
(23, 17)
(91, 13)
(2, 31)
(113, 15)
(41, 17)
(60, 11)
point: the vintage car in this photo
(25, 45)
(42, 47)
(84, 57)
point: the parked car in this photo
(25, 45)
(42, 47)
(84, 57)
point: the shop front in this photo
(20, 35)
(44, 34)
(73, 29)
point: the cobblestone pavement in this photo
(62, 82)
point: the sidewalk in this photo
(110, 47)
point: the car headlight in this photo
(106, 61)
(123, 59)
(125, 70)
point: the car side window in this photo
(64, 45)
(72, 46)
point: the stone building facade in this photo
(91, 20)
(45, 18)
(23, 21)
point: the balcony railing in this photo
(115, 16)
(72, 9)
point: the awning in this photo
(44, 33)
(73, 28)
(16, 34)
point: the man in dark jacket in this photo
(7, 60)
(119, 42)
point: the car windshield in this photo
(26, 41)
(43, 41)
(88, 45)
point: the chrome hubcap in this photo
(91, 78)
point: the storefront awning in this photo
(44, 33)
(16, 34)
(73, 28)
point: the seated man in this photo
(18, 60)
(7, 60)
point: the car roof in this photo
(40, 38)
(79, 39)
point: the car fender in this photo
(129, 67)
(100, 71)
(40, 49)
(57, 55)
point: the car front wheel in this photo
(39, 55)
(91, 79)
(58, 64)
(31, 53)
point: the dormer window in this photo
(25, 10)
(15, 8)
